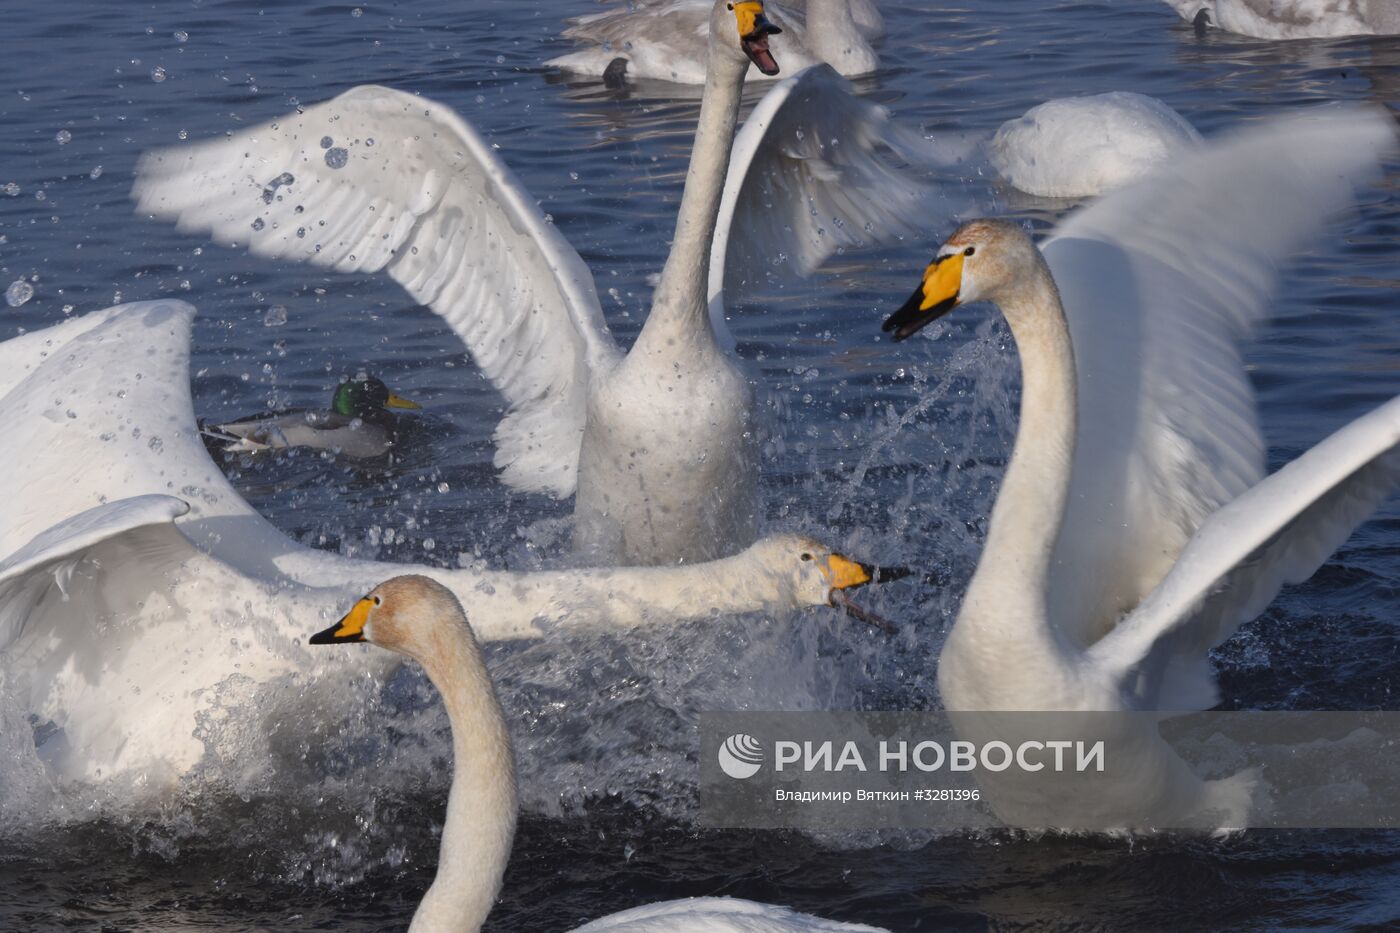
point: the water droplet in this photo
(357, 12)
(276, 316)
(183, 134)
(181, 36)
(269, 192)
(12, 190)
(443, 487)
(258, 223)
(429, 544)
(18, 293)
(155, 443)
(337, 157)
(158, 74)
(63, 137)
(96, 172)
(327, 142)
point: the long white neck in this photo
(481, 807)
(680, 308)
(1003, 620)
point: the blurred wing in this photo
(1279, 532)
(814, 169)
(379, 179)
(1161, 281)
(717, 915)
(138, 532)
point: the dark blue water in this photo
(603, 724)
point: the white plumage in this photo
(379, 179)
(658, 39)
(1296, 19)
(1134, 529)
(1076, 147)
(138, 588)
(418, 618)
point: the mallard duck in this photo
(360, 424)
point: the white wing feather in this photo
(814, 169)
(1279, 532)
(49, 559)
(379, 179)
(1161, 281)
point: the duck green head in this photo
(358, 398)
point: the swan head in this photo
(976, 263)
(366, 395)
(407, 614)
(739, 30)
(815, 575)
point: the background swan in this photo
(658, 445)
(129, 563)
(417, 617)
(1296, 19)
(1134, 528)
(865, 13)
(1076, 147)
(657, 40)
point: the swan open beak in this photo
(398, 401)
(845, 574)
(935, 297)
(754, 30)
(349, 629)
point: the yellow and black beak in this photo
(349, 629)
(844, 574)
(398, 401)
(754, 30)
(935, 297)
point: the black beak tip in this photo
(321, 638)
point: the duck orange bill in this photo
(754, 30)
(845, 574)
(398, 401)
(349, 629)
(935, 297)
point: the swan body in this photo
(417, 617)
(1135, 528)
(658, 40)
(119, 523)
(1296, 19)
(658, 445)
(1077, 147)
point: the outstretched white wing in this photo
(133, 530)
(1279, 532)
(379, 179)
(1161, 282)
(814, 169)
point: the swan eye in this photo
(378, 601)
(729, 5)
(969, 251)
(806, 556)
